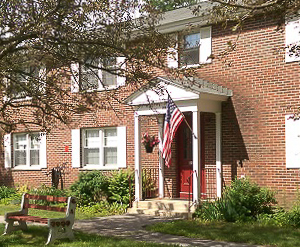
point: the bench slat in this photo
(47, 198)
(44, 207)
(29, 218)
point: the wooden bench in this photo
(58, 227)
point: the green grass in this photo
(37, 236)
(251, 233)
(43, 213)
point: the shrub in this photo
(103, 209)
(118, 189)
(241, 201)
(6, 192)
(91, 187)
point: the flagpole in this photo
(183, 117)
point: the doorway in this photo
(185, 158)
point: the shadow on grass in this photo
(37, 236)
(250, 233)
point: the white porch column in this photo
(137, 156)
(218, 154)
(161, 160)
(196, 152)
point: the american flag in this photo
(172, 121)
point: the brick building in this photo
(238, 108)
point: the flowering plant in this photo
(149, 141)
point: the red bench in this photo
(58, 227)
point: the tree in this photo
(166, 5)
(41, 39)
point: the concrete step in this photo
(164, 207)
(156, 212)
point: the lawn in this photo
(251, 233)
(37, 236)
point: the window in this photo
(196, 47)
(25, 82)
(97, 74)
(292, 40)
(101, 148)
(28, 149)
(190, 53)
(292, 142)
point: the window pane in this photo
(20, 157)
(109, 79)
(20, 142)
(91, 156)
(110, 156)
(110, 138)
(89, 74)
(34, 157)
(34, 141)
(190, 54)
(191, 41)
(92, 138)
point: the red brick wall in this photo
(264, 88)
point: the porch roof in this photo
(158, 89)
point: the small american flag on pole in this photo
(172, 121)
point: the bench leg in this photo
(9, 227)
(23, 225)
(59, 233)
(52, 235)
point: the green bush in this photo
(103, 209)
(118, 189)
(6, 192)
(278, 217)
(91, 187)
(241, 201)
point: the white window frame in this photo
(292, 36)
(42, 152)
(205, 46)
(76, 76)
(41, 74)
(100, 165)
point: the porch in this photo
(192, 177)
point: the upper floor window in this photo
(195, 49)
(25, 82)
(292, 39)
(97, 74)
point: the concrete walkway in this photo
(133, 227)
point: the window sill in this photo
(97, 167)
(27, 168)
(98, 89)
(195, 65)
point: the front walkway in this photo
(133, 227)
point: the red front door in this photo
(185, 158)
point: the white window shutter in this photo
(43, 150)
(205, 44)
(292, 36)
(7, 151)
(121, 80)
(75, 147)
(121, 146)
(172, 56)
(292, 142)
(75, 77)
